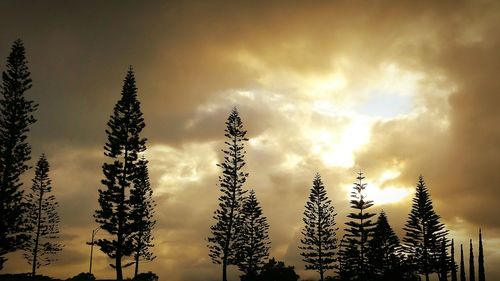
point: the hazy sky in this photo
(393, 88)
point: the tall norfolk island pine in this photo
(319, 242)
(360, 227)
(223, 242)
(424, 232)
(42, 220)
(15, 118)
(122, 148)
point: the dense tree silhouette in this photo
(480, 264)
(360, 226)
(142, 205)
(462, 264)
(472, 270)
(223, 242)
(122, 148)
(444, 261)
(42, 220)
(424, 232)
(383, 251)
(277, 271)
(453, 264)
(16, 115)
(253, 240)
(319, 240)
(348, 255)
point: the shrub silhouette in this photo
(276, 271)
(147, 276)
(84, 276)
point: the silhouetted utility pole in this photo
(91, 243)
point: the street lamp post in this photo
(91, 243)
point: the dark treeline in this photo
(29, 220)
(369, 249)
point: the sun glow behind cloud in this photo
(380, 192)
(330, 113)
(336, 146)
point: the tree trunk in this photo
(136, 265)
(121, 217)
(118, 265)
(224, 269)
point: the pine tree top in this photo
(423, 212)
(126, 123)
(383, 228)
(17, 74)
(234, 126)
(41, 175)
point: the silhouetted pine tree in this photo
(472, 270)
(453, 264)
(142, 205)
(360, 226)
(122, 148)
(319, 242)
(347, 255)
(462, 264)
(444, 262)
(223, 244)
(43, 220)
(383, 251)
(423, 232)
(481, 275)
(253, 245)
(16, 115)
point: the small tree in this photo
(122, 148)
(142, 204)
(462, 264)
(253, 247)
(319, 240)
(481, 274)
(16, 115)
(360, 227)
(453, 264)
(383, 250)
(43, 220)
(444, 262)
(423, 232)
(348, 255)
(223, 242)
(472, 271)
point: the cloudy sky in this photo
(393, 88)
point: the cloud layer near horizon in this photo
(395, 88)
